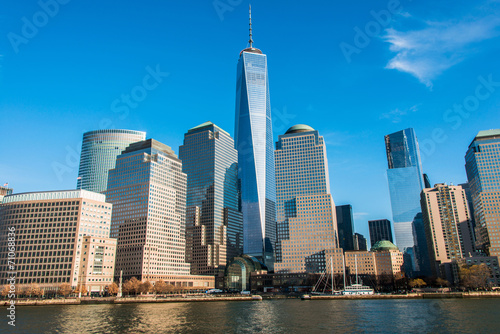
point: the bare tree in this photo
(145, 287)
(160, 286)
(170, 288)
(442, 282)
(132, 286)
(82, 289)
(475, 276)
(34, 291)
(64, 289)
(5, 290)
(113, 289)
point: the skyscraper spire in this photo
(250, 29)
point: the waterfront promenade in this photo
(226, 298)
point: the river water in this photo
(268, 316)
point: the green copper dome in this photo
(299, 128)
(383, 245)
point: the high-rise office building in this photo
(301, 169)
(148, 191)
(254, 142)
(99, 151)
(422, 265)
(447, 224)
(214, 227)
(345, 227)
(482, 164)
(305, 210)
(405, 183)
(61, 237)
(379, 230)
(311, 230)
(359, 242)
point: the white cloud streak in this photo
(428, 52)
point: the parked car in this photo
(245, 292)
(214, 291)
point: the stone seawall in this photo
(159, 299)
(125, 300)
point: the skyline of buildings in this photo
(167, 227)
(446, 206)
(64, 104)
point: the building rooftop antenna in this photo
(250, 22)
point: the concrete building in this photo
(345, 226)
(214, 226)
(311, 231)
(379, 230)
(388, 258)
(99, 151)
(61, 237)
(447, 224)
(482, 164)
(305, 209)
(148, 191)
(97, 262)
(383, 259)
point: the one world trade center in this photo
(254, 142)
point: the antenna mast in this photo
(250, 23)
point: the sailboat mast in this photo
(356, 263)
(331, 270)
(343, 266)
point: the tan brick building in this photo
(447, 224)
(51, 229)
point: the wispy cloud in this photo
(396, 115)
(427, 52)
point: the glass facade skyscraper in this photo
(306, 216)
(406, 181)
(482, 164)
(99, 151)
(422, 260)
(214, 226)
(254, 142)
(379, 230)
(345, 226)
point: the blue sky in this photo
(355, 71)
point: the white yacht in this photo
(357, 288)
